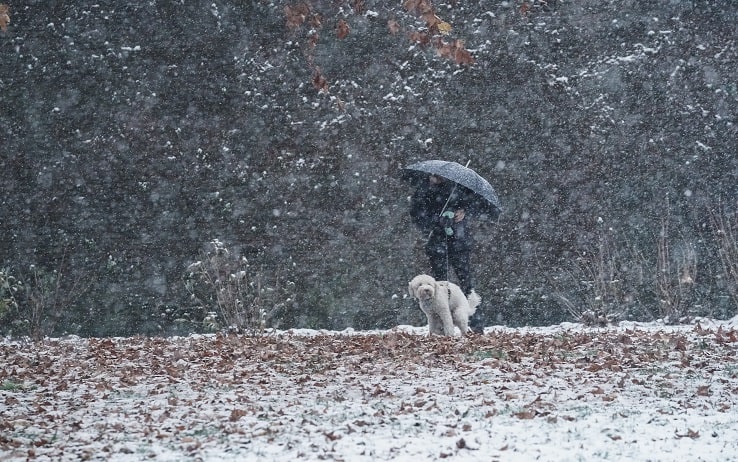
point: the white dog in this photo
(444, 304)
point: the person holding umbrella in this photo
(439, 210)
(446, 197)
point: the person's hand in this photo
(447, 221)
(459, 215)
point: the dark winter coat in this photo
(427, 205)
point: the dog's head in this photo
(422, 287)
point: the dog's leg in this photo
(460, 314)
(430, 314)
(434, 324)
(447, 323)
(462, 322)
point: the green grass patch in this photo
(489, 354)
(10, 385)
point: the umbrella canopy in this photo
(488, 201)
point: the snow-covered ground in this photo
(565, 393)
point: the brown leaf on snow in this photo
(420, 38)
(690, 434)
(4, 17)
(320, 82)
(418, 7)
(593, 367)
(236, 414)
(703, 390)
(699, 330)
(726, 337)
(295, 15)
(342, 30)
(432, 21)
(420, 391)
(393, 27)
(525, 415)
(613, 365)
(379, 391)
(455, 51)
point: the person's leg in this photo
(460, 262)
(436, 252)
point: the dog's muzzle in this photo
(425, 292)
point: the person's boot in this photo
(476, 322)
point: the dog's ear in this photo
(410, 289)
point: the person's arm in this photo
(467, 204)
(423, 218)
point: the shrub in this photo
(36, 307)
(676, 274)
(231, 293)
(597, 288)
(725, 231)
(10, 289)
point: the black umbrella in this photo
(488, 203)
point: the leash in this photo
(448, 280)
(447, 264)
(449, 197)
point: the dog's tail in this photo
(474, 301)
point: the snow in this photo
(562, 393)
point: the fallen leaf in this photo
(320, 82)
(418, 7)
(420, 37)
(4, 17)
(342, 30)
(703, 390)
(444, 27)
(358, 6)
(296, 15)
(525, 415)
(690, 434)
(393, 27)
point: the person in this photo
(441, 209)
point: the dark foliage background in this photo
(135, 133)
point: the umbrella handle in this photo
(452, 191)
(449, 197)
